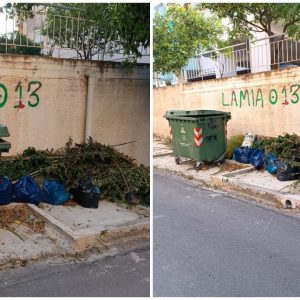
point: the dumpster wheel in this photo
(198, 165)
(178, 160)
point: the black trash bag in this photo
(286, 172)
(6, 190)
(86, 194)
(130, 198)
(26, 190)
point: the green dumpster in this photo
(4, 145)
(198, 134)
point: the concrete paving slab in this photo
(28, 244)
(88, 227)
(263, 179)
(168, 162)
(160, 148)
(293, 188)
(83, 220)
(264, 187)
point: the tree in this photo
(13, 40)
(179, 33)
(132, 22)
(247, 18)
(110, 27)
(78, 29)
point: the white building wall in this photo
(260, 55)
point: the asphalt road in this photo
(207, 243)
(125, 274)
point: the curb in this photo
(162, 154)
(263, 195)
(227, 182)
(108, 237)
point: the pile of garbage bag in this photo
(116, 173)
(262, 158)
(27, 190)
(251, 156)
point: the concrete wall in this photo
(121, 103)
(264, 103)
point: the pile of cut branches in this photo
(285, 147)
(114, 172)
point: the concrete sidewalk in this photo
(242, 179)
(71, 229)
(20, 243)
(108, 224)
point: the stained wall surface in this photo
(53, 94)
(266, 103)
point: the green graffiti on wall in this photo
(32, 98)
(256, 97)
(3, 94)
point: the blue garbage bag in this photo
(257, 159)
(53, 192)
(242, 154)
(26, 190)
(271, 161)
(6, 190)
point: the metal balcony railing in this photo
(58, 35)
(252, 56)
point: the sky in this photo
(2, 24)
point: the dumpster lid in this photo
(4, 145)
(195, 113)
(4, 131)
